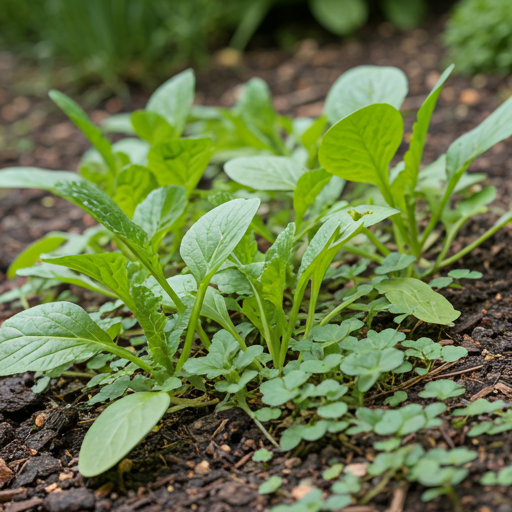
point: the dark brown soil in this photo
(200, 461)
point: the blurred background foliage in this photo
(139, 41)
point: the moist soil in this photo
(201, 461)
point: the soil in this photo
(201, 461)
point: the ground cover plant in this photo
(230, 285)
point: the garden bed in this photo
(201, 461)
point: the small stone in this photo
(65, 476)
(50, 488)
(70, 501)
(357, 469)
(293, 462)
(300, 491)
(249, 445)
(225, 448)
(41, 420)
(469, 97)
(203, 468)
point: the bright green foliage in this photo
(118, 429)
(480, 406)
(271, 485)
(442, 389)
(503, 477)
(479, 36)
(262, 455)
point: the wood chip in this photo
(20, 506)
(483, 392)
(9, 494)
(6, 473)
(300, 491)
(203, 468)
(357, 469)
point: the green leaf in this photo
(108, 268)
(92, 132)
(209, 242)
(323, 366)
(275, 393)
(151, 126)
(267, 414)
(464, 273)
(407, 179)
(418, 299)
(47, 336)
(32, 177)
(265, 172)
(397, 398)
(442, 389)
(31, 254)
(405, 14)
(262, 455)
(309, 185)
(173, 100)
(497, 127)
(133, 184)
(480, 406)
(160, 210)
(370, 365)
(119, 428)
(341, 17)
(180, 162)
(271, 485)
(332, 411)
(363, 86)
(48, 271)
(394, 262)
(360, 147)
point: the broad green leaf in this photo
(64, 275)
(214, 307)
(209, 242)
(180, 162)
(360, 147)
(31, 254)
(47, 336)
(262, 455)
(133, 184)
(477, 202)
(275, 392)
(405, 14)
(442, 389)
(92, 132)
(480, 406)
(151, 126)
(407, 179)
(418, 299)
(341, 17)
(265, 172)
(173, 100)
(118, 123)
(309, 185)
(160, 210)
(394, 262)
(271, 485)
(109, 268)
(363, 86)
(497, 127)
(119, 429)
(32, 177)
(464, 273)
(135, 149)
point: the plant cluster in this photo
(240, 295)
(479, 36)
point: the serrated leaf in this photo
(418, 299)
(265, 172)
(119, 429)
(363, 86)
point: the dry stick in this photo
(407, 384)
(461, 371)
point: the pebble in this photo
(203, 468)
(301, 490)
(469, 97)
(357, 469)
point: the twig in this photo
(452, 374)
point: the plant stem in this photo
(364, 254)
(240, 398)
(375, 241)
(337, 309)
(202, 335)
(79, 374)
(194, 318)
(450, 492)
(126, 354)
(378, 488)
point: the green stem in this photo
(364, 254)
(315, 289)
(194, 318)
(378, 488)
(450, 492)
(240, 398)
(202, 335)
(78, 374)
(375, 241)
(126, 354)
(413, 230)
(337, 309)
(470, 247)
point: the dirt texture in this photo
(201, 461)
